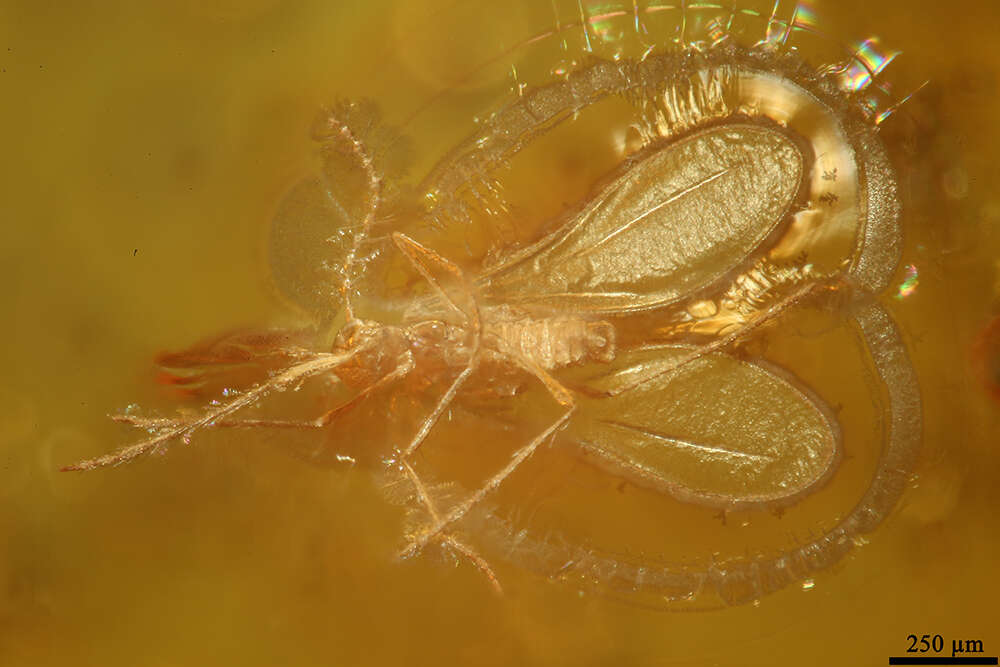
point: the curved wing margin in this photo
(672, 222)
(709, 429)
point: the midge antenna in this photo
(340, 129)
(368, 340)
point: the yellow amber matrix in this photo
(582, 399)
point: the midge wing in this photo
(673, 221)
(710, 429)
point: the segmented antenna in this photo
(336, 127)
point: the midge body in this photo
(678, 223)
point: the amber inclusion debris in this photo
(758, 193)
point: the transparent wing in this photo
(318, 219)
(308, 245)
(710, 429)
(673, 221)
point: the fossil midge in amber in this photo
(584, 402)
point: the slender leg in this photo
(402, 369)
(317, 365)
(442, 405)
(449, 540)
(729, 339)
(404, 366)
(565, 398)
(423, 259)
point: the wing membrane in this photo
(710, 429)
(674, 221)
(308, 245)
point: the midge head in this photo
(373, 350)
(366, 354)
(349, 129)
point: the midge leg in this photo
(449, 540)
(733, 338)
(564, 397)
(424, 260)
(320, 363)
(405, 365)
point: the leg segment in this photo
(565, 398)
(424, 260)
(442, 405)
(449, 540)
(402, 369)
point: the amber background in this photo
(147, 146)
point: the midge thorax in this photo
(716, 227)
(497, 334)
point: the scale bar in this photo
(942, 660)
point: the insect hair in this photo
(337, 132)
(671, 107)
(763, 283)
(355, 130)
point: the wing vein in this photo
(645, 214)
(757, 458)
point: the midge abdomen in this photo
(549, 342)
